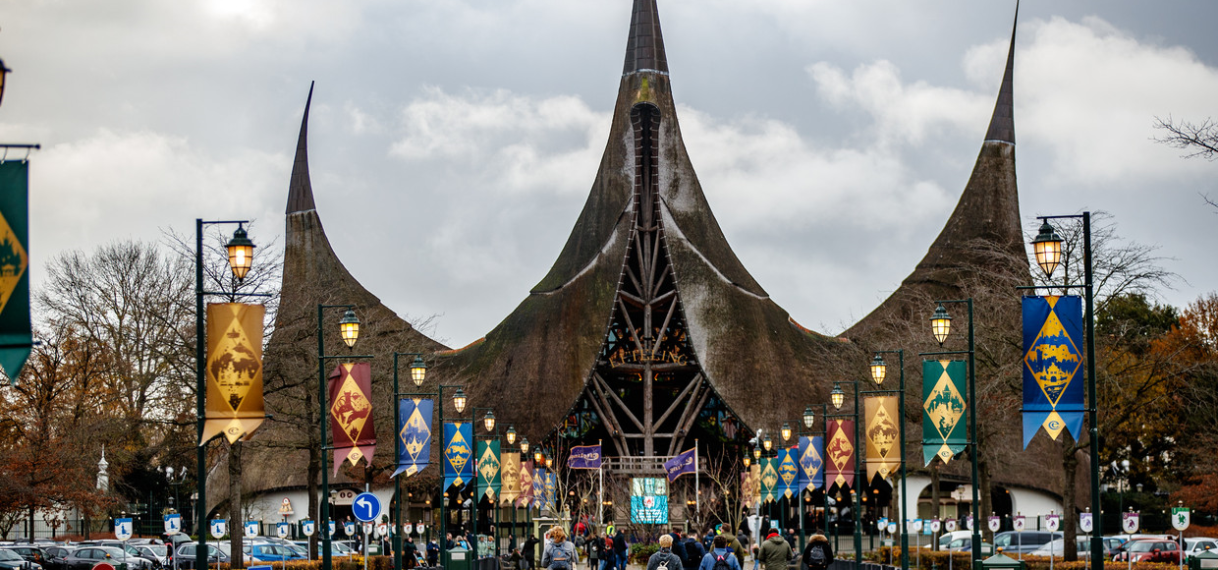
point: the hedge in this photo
(938, 560)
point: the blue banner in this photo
(788, 472)
(458, 452)
(648, 500)
(585, 457)
(539, 487)
(811, 462)
(680, 464)
(1053, 366)
(551, 491)
(414, 436)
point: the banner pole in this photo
(697, 484)
(600, 471)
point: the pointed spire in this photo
(1002, 125)
(300, 190)
(645, 46)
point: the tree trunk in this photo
(934, 500)
(1069, 520)
(314, 473)
(236, 528)
(986, 494)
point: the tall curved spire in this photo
(645, 46)
(300, 190)
(1002, 124)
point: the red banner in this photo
(351, 413)
(525, 498)
(840, 453)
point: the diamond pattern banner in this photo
(351, 413)
(489, 469)
(234, 370)
(811, 462)
(15, 330)
(458, 451)
(414, 435)
(944, 397)
(1053, 366)
(883, 436)
(840, 451)
(511, 478)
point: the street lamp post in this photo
(879, 371)
(240, 258)
(1048, 249)
(349, 332)
(941, 326)
(418, 373)
(837, 397)
(809, 420)
(488, 421)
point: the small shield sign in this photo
(382, 529)
(995, 524)
(122, 529)
(883, 524)
(333, 528)
(418, 528)
(251, 529)
(950, 525)
(935, 525)
(368, 528)
(349, 528)
(1180, 518)
(916, 525)
(1052, 522)
(218, 528)
(1129, 522)
(408, 529)
(282, 530)
(968, 521)
(1084, 522)
(308, 527)
(1019, 523)
(892, 528)
(173, 524)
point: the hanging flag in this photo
(883, 436)
(1053, 366)
(525, 499)
(539, 487)
(16, 338)
(551, 491)
(680, 464)
(488, 469)
(585, 457)
(234, 371)
(511, 478)
(351, 413)
(750, 489)
(414, 435)
(769, 479)
(811, 462)
(840, 451)
(943, 403)
(458, 463)
(788, 472)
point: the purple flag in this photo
(585, 457)
(680, 465)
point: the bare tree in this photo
(1199, 140)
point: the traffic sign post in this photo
(366, 507)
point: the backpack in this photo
(721, 563)
(816, 556)
(559, 560)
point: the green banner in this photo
(769, 479)
(944, 397)
(15, 336)
(489, 471)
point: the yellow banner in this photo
(510, 471)
(234, 370)
(883, 436)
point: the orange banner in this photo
(234, 370)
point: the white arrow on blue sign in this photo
(366, 507)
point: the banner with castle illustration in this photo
(944, 397)
(769, 479)
(525, 499)
(458, 452)
(1052, 366)
(883, 435)
(788, 472)
(488, 470)
(234, 371)
(414, 435)
(510, 475)
(840, 452)
(16, 339)
(811, 462)
(750, 485)
(351, 413)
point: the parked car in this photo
(186, 555)
(85, 557)
(1011, 542)
(966, 545)
(28, 552)
(1195, 546)
(158, 553)
(1150, 550)
(52, 557)
(1083, 544)
(267, 552)
(10, 560)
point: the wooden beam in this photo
(667, 318)
(634, 333)
(677, 402)
(683, 430)
(685, 413)
(634, 279)
(615, 431)
(603, 388)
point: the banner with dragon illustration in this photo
(511, 478)
(840, 451)
(811, 462)
(458, 460)
(788, 472)
(944, 393)
(234, 371)
(351, 413)
(750, 485)
(1053, 366)
(488, 470)
(525, 498)
(769, 479)
(16, 337)
(883, 436)
(414, 435)
(539, 487)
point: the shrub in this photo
(641, 553)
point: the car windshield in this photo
(1141, 546)
(157, 549)
(1003, 541)
(9, 555)
(299, 551)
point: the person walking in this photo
(593, 548)
(734, 544)
(664, 559)
(530, 550)
(719, 558)
(693, 551)
(775, 553)
(818, 555)
(561, 554)
(678, 546)
(620, 550)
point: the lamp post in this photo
(1048, 249)
(941, 326)
(349, 332)
(879, 370)
(418, 373)
(809, 420)
(240, 258)
(488, 422)
(838, 397)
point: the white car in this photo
(1195, 546)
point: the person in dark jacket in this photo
(664, 559)
(719, 552)
(775, 552)
(678, 546)
(693, 551)
(815, 560)
(530, 550)
(593, 548)
(619, 549)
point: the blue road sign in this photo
(366, 507)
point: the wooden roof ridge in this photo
(300, 190)
(645, 44)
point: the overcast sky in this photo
(453, 142)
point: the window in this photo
(188, 550)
